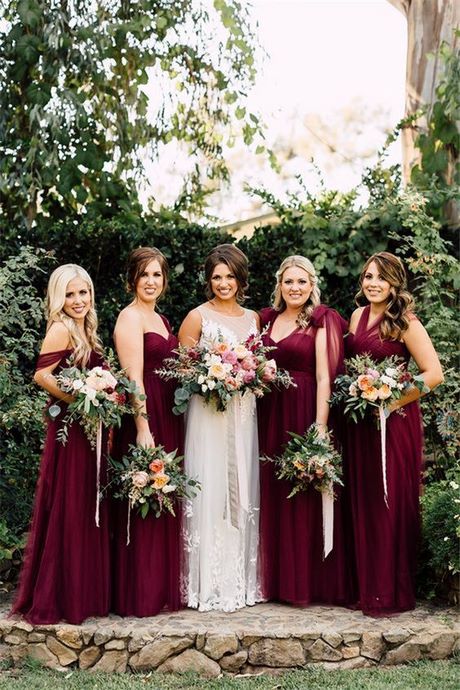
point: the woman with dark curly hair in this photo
(221, 524)
(386, 536)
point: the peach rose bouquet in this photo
(150, 480)
(369, 385)
(219, 369)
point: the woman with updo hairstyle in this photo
(146, 572)
(65, 575)
(300, 564)
(221, 526)
(386, 532)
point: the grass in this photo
(422, 675)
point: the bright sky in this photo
(323, 57)
(324, 53)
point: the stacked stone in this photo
(132, 645)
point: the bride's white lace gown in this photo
(221, 525)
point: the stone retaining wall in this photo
(126, 646)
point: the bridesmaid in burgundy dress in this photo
(66, 568)
(146, 573)
(309, 343)
(386, 537)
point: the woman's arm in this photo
(323, 382)
(190, 330)
(56, 339)
(419, 344)
(129, 342)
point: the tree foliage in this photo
(89, 89)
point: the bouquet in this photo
(218, 370)
(149, 479)
(310, 460)
(369, 385)
(102, 397)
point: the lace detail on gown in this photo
(221, 546)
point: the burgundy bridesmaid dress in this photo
(386, 538)
(146, 573)
(291, 529)
(65, 575)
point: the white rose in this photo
(388, 380)
(77, 385)
(168, 488)
(211, 384)
(204, 388)
(201, 379)
(390, 371)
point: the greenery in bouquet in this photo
(151, 479)
(218, 370)
(309, 460)
(368, 384)
(102, 395)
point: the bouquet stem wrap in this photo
(327, 498)
(383, 443)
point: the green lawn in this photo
(422, 675)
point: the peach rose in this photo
(370, 394)
(156, 465)
(384, 392)
(220, 348)
(160, 481)
(365, 381)
(217, 370)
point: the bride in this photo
(221, 525)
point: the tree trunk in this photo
(429, 23)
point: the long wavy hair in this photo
(313, 301)
(400, 303)
(55, 300)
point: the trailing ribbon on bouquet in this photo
(383, 443)
(237, 484)
(128, 525)
(328, 520)
(98, 470)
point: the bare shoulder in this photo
(57, 338)
(129, 317)
(354, 319)
(193, 318)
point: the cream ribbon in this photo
(328, 520)
(128, 524)
(383, 443)
(237, 483)
(98, 470)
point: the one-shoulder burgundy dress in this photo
(146, 573)
(386, 538)
(291, 529)
(65, 575)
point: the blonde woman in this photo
(66, 568)
(308, 337)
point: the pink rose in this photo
(229, 357)
(249, 363)
(269, 372)
(140, 479)
(249, 376)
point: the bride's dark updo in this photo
(400, 306)
(236, 261)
